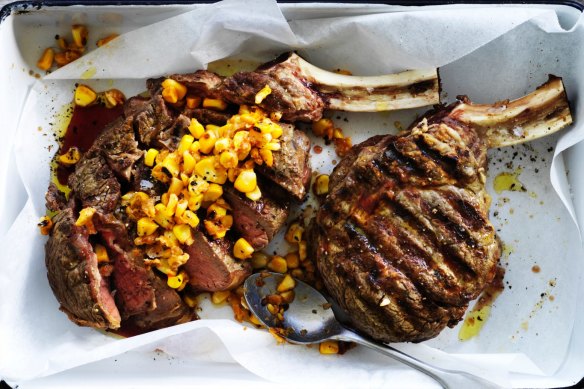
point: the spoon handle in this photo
(447, 379)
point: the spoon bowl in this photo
(310, 319)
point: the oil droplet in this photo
(60, 124)
(535, 269)
(508, 181)
(90, 72)
(317, 149)
(533, 195)
(475, 319)
(525, 326)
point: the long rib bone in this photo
(409, 89)
(540, 113)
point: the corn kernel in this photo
(71, 157)
(193, 101)
(173, 91)
(338, 133)
(220, 296)
(216, 211)
(228, 159)
(101, 253)
(189, 162)
(84, 95)
(183, 233)
(197, 186)
(175, 281)
(79, 33)
(273, 146)
(150, 157)
(176, 186)
(171, 204)
(195, 201)
(213, 193)
(171, 164)
(181, 207)
(113, 97)
(255, 194)
(267, 157)
(286, 284)
(242, 249)
(45, 225)
(62, 43)
(259, 260)
(207, 169)
(196, 128)
(278, 264)
(222, 144)
(191, 301)
(276, 116)
(146, 226)
(321, 185)
(262, 94)
(85, 216)
(320, 127)
(288, 296)
(294, 233)
(105, 40)
(190, 218)
(45, 62)
(273, 309)
(162, 218)
(217, 104)
(207, 142)
(292, 260)
(302, 250)
(246, 181)
(329, 347)
(185, 143)
(254, 320)
(63, 58)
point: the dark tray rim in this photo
(31, 5)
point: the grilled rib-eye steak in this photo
(403, 241)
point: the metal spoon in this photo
(309, 319)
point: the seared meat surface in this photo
(403, 240)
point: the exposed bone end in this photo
(409, 89)
(538, 114)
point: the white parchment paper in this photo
(488, 53)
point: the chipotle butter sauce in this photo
(84, 127)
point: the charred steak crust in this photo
(403, 241)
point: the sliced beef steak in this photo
(211, 267)
(291, 169)
(170, 309)
(256, 221)
(133, 282)
(74, 275)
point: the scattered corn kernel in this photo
(101, 253)
(63, 58)
(84, 95)
(320, 127)
(217, 104)
(262, 94)
(45, 225)
(113, 98)
(85, 216)
(292, 260)
(246, 181)
(214, 192)
(175, 282)
(105, 40)
(321, 184)
(207, 142)
(146, 226)
(196, 128)
(294, 233)
(150, 157)
(242, 249)
(288, 296)
(71, 157)
(79, 33)
(220, 296)
(173, 91)
(329, 347)
(193, 101)
(45, 62)
(255, 194)
(278, 264)
(286, 284)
